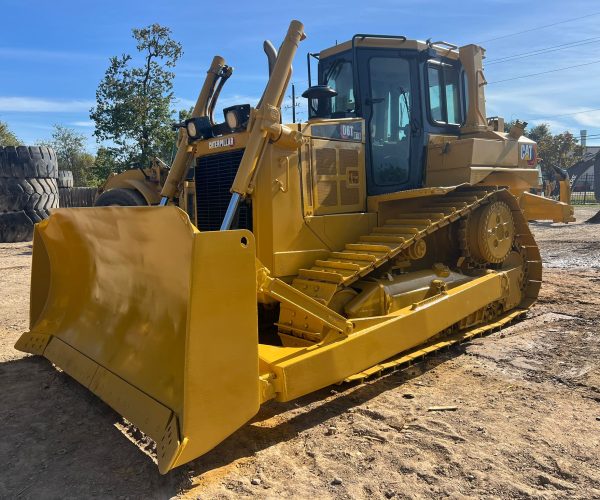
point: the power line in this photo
(542, 51)
(545, 72)
(540, 27)
(566, 114)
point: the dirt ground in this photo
(527, 423)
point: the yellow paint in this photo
(139, 310)
(539, 208)
(161, 320)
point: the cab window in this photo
(389, 120)
(444, 95)
(337, 74)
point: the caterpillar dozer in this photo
(137, 186)
(386, 226)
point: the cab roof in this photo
(443, 49)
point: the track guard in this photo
(156, 318)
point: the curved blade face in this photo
(156, 318)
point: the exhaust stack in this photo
(471, 57)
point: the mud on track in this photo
(527, 422)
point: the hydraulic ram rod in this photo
(182, 158)
(266, 120)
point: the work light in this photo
(237, 117)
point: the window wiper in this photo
(414, 127)
(337, 67)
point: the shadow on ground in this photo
(53, 424)
(57, 433)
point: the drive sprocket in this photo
(490, 233)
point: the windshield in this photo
(337, 74)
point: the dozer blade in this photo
(157, 319)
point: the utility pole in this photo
(293, 103)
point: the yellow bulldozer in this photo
(388, 225)
(137, 187)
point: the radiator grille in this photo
(214, 177)
(328, 193)
(326, 161)
(348, 159)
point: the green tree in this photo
(7, 137)
(105, 163)
(184, 114)
(72, 154)
(133, 103)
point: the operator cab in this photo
(405, 90)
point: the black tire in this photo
(36, 217)
(27, 162)
(90, 196)
(65, 179)
(122, 197)
(65, 199)
(86, 196)
(77, 197)
(27, 194)
(595, 219)
(43, 214)
(15, 226)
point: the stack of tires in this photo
(71, 196)
(28, 189)
(65, 179)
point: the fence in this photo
(582, 190)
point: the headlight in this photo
(192, 131)
(231, 119)
(236, 117)
(198, 128)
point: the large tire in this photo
(27, 162)
(77, 197)
(65, 199)
(32, 194)
(595, 219)
(122, 197)
(28, 189)
(65, 179)
(16, 226)
(84, 196)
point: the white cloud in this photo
(591, 118)
(84, 123)
(39, 105)
(37, 54)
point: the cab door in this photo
(390, 104)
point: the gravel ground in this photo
(527, 422)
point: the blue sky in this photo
(53, 54)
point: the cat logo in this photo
(352, 178)
(221, 143)
(529, 153)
